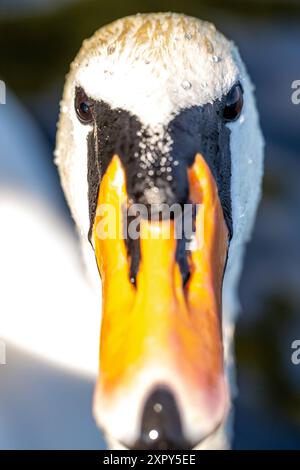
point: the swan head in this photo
(158, 126)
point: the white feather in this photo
(153, 66)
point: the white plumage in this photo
(153, 66)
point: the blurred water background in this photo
(45, 407)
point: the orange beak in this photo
(159, 332)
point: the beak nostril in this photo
(160, 424)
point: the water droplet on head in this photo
(186, 85)
(111, 49)
(208, 44)
(215, 59)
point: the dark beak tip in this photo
(161, 427)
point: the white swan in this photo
(31, 211)
(173, 93)
(45, 364)
(158, 108)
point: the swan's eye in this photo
(234, 103)
(83, 106)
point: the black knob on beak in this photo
(160, 426)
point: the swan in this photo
(158, 109)
(32, 210)
(44, 362)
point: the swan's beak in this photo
(161, 383)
